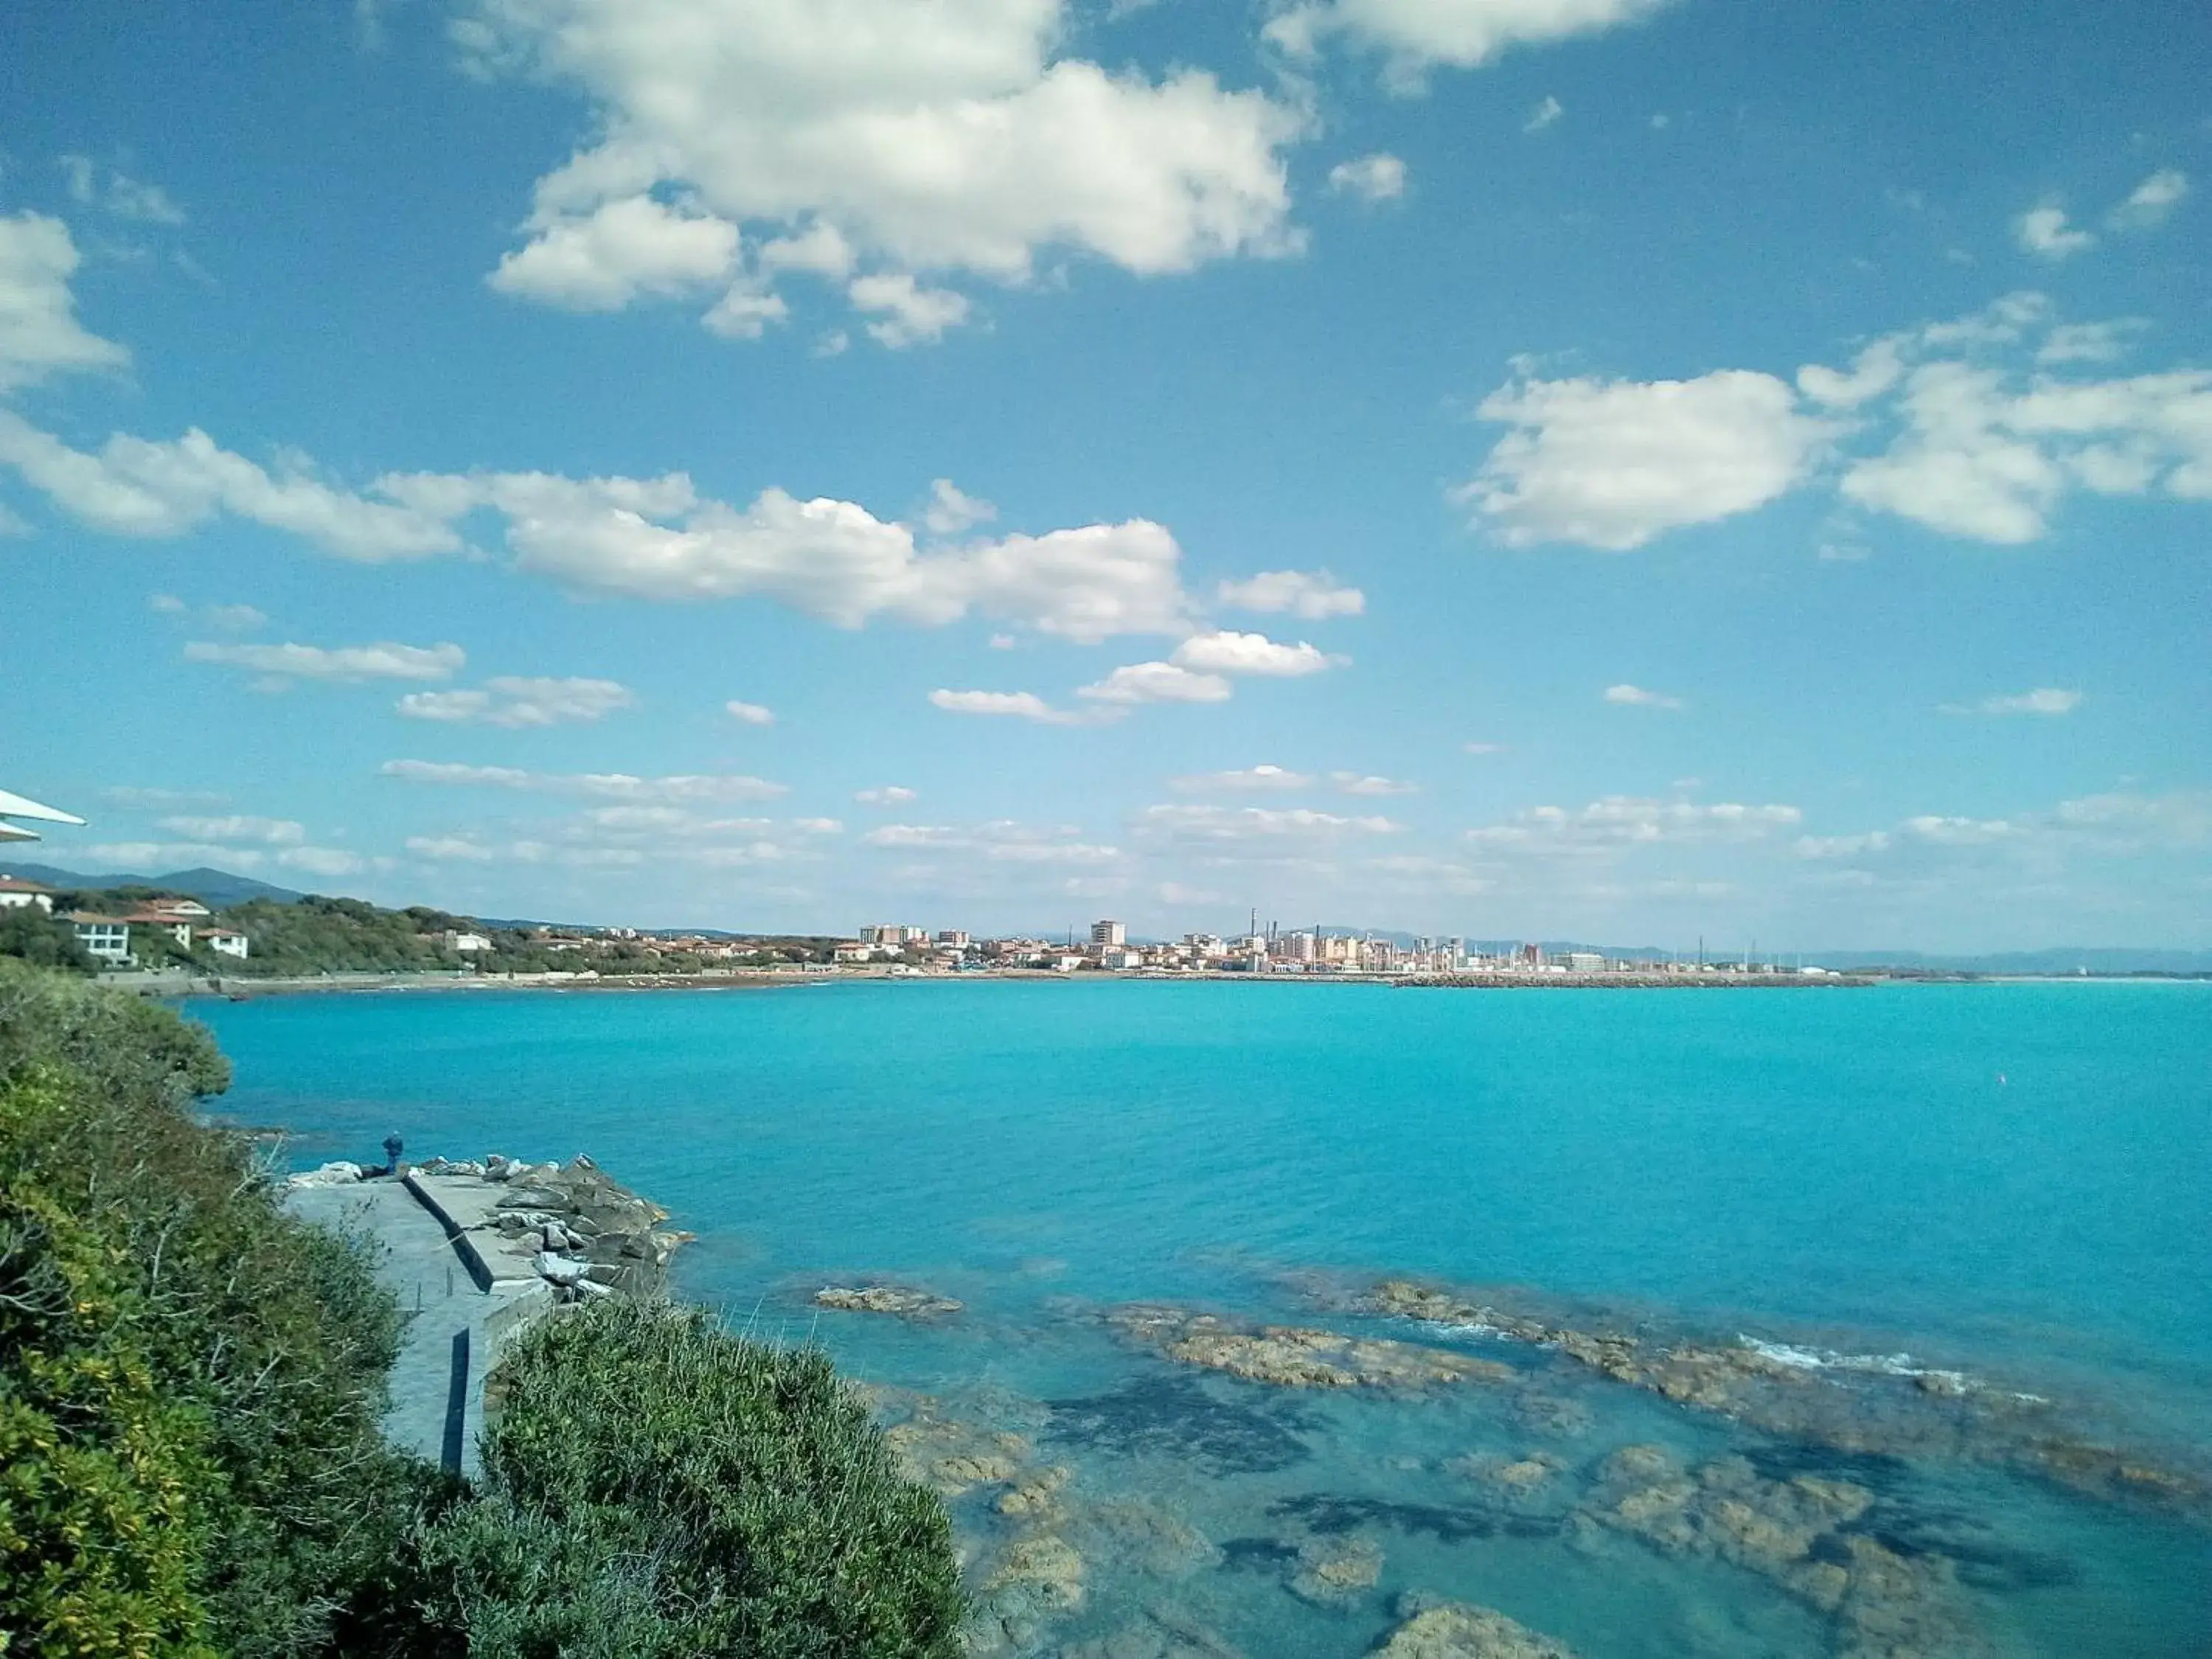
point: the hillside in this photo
(218, 888)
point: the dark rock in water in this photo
(1331, 1514)
(1179, 1418)
(1257, 1554)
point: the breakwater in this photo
(475, 1250)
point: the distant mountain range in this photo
(218, 888)
(221, 889)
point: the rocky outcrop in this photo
(898, 1301)
(1332, 1572)
(1296, 1357)
(1800, 1535)
(1882, 1406)
(1453, 1630)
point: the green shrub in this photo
(29, 934)
(191, 1381)
(656, 1487)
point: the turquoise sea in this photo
(2011, 1182)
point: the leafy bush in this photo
(191, 1382)
(656, 1487)
(29, 934)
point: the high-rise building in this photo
(1108, 934)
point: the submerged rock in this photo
(1867, 1404)
(897, 1300)
(1458, 1631)
(1335, 1571)
(953, 1456)
(1158, 1634)
(1800, 1534)
(1296, 1357)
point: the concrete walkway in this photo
(454, 1327)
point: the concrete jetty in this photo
(475, 1251)
(456, 1322)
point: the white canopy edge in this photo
(18, 806)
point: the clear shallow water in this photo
(2013, 1180)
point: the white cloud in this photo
(2090, 343)
(1483, 748)
(604, 259)
(39, 334)
(2151, 201)
(658, 539)
(511, 699)
(1377, 178)
(1415, 35)
(1355, 783)
(1617, 822)
(1265, 824)
(1224, 651)
(1545, 115)
(1250, 779)
(1951, 430)
(132, 487)
(452, 849)
(1611, 465)
(385, 660)
(1635, 696)
(1312, 595)
(2045, 233)
(745, 312)
(1842, 847)
(1157, 681)
(2122, 824)
(272, 832)
(890, 794)
(1018, 705)
(681, 789)
(750, 714)
(945, 137)
(2048, 700)
(912, 315)
(126, 198)
(148, 858)
(951, 510)
(1001, 841)
(1977, 458)
(322, 861)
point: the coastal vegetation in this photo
(318, 934)
(191, 1382)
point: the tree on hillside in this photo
(29, 934)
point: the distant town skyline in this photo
(1611, 471)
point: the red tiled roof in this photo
(17, 885)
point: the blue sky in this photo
(1623, 469)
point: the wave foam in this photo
(1822, 1360)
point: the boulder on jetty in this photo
(1296, 1357)
(897, 1300)
(584, 1234)
(338, 1173)
(1456, 1630)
